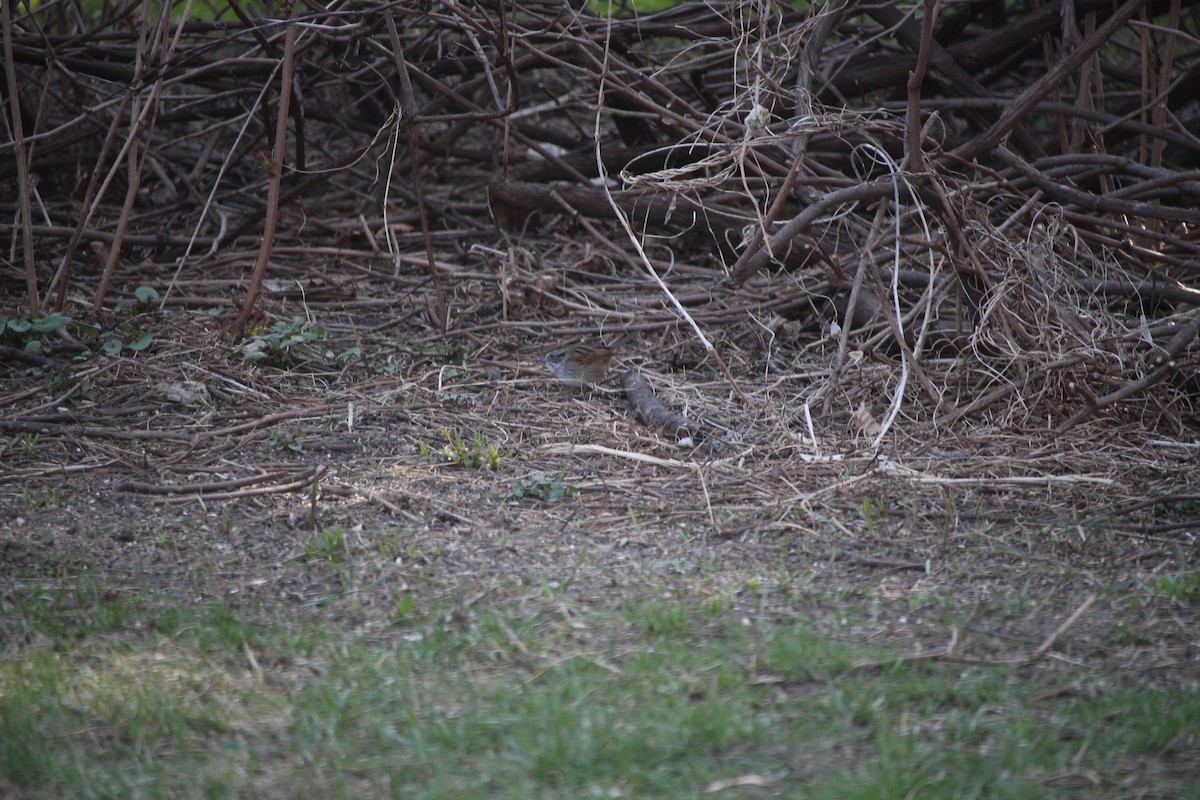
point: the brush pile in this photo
(978, 211)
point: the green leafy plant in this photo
(29, 443)
(544, 488)
(634, 524)
(328, 545)
(114, 345)
(874, 513)
(284, 344)
(404, 606)
(453, 383)
(1185, 504)
(143, 300)
(473, 453)
(445, 350)
(26, 332)
(292, 440)
(65, 388)
(1183, 587)
(50, 497)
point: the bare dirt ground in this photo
(186, 469)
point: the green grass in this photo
(109, 693)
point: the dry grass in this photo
(269, 458)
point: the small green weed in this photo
(1184, 587)
(50, 497)
(539, 486)
(452, 388)
(328, 545)
(113, 345)
(390, 545)
(145, 294)
(388, 367)
(874, 514)
(29, 443)
(634, 523)
(404, 606)
(143, 300)
(1169, 501)
(292, 440)
(444, 350)
(64, 387)
(474, 453)
(284, 344)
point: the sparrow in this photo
(580, 365)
